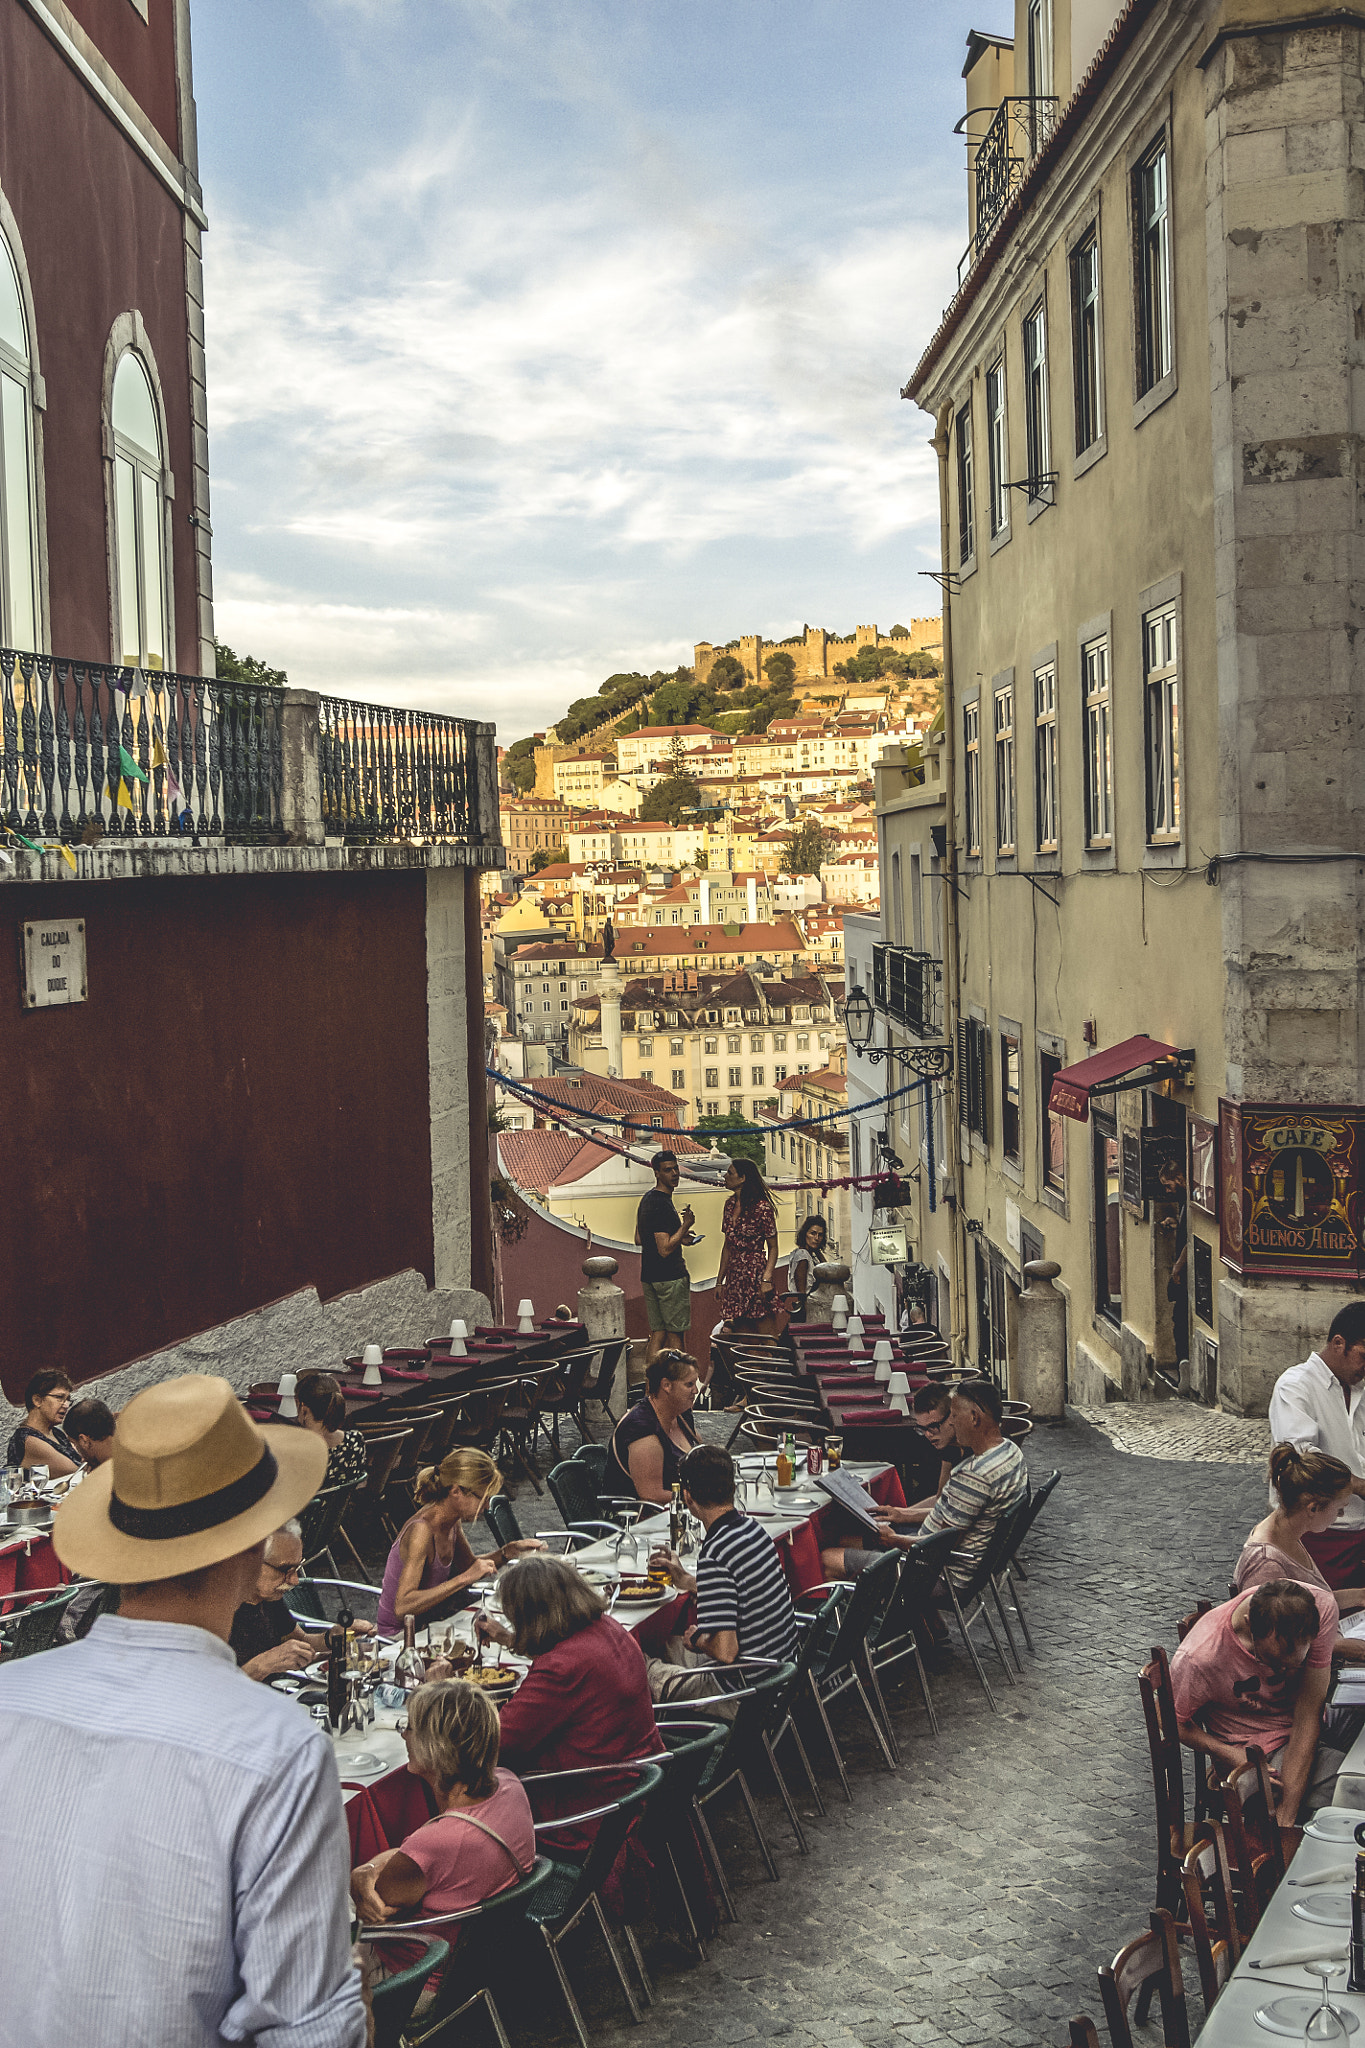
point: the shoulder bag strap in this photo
(484, 1829)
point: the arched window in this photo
(139, 524)
(18, 552)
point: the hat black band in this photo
(192, 1517)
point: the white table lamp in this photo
(898, 1387)
(838, 1312)
(883, 1354)
(371, 1361)
(458, 1332)
(526, 1318)
(854, 1340)
(855, 1326)
(288, 1382)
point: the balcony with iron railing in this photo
(91, 753)
(1020, 130)
(907, 987)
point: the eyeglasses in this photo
(401, 1728)
(284, 1571)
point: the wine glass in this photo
(1326, 2024)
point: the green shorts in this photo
(668, 1304)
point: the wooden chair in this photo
(1206, 1804)
(1255, 1840)
(1082, 2033)
(1207, 1882)
(1149, 1964)
(1175, 1836)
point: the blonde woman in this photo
(481, 1839)
(431, 1564)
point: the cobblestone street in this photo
(970, 1897)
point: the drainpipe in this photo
(957, 1256)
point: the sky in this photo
(547, 340)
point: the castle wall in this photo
(815, 651)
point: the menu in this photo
(850, 1493)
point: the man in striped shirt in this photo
(991, 1480)
(744, 1607)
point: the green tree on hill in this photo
(519, 766)
(780, 669)
(731, 1139)
(670, 798)
(805, 846)
(245, 668)
(727, 673)
(548, 857)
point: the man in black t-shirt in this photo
(660, 1232)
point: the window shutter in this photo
(964, 1075)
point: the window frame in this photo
(129, 335)
(965, 471)
(1049, 1058)
(1037, 407)
(1047, 852)
(28, 376)
(1086, 231)
(1159, 600)
(1009, 1032)
(1097, 850)
(1150, 391)
(971, 776)
(1005, 770)
(998, 453)
(1104, 1130)
(974, 1070)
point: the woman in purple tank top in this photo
(431, 1567)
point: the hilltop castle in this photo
(815, 651)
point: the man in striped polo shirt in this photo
(744, 1607)
(991, 1480)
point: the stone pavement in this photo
(1183, 1430)
(970, 1897)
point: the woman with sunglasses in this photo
(651, 1440)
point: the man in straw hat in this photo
(174, 1834)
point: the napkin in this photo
(366, 1394)
(397, 1372)
(1337, 1873)
(1323, 1949)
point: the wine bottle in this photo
(336, 1676)
(1356, 1980)
(409, 1671)
(675, 1517)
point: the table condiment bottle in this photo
(675, 1517)
(1356, 1981)
(409, 1671)
(786, 1471)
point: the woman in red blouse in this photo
(585, 1699)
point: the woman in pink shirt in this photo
(481, 1840)
(1310, 1488)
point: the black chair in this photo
(383, 1448)
(575, 1495)
(669, 1818)
(394, 1998)
(320, 1523)
(760, 1691)
(465, 1979)
(594, 1456)
(599, 1387)
(501, 1518)
(844, 1664)
(24, 1635)
(935, 1552)
(896, 1635)
(563, 1394)
(1012, 1570)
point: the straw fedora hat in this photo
(192, 1481)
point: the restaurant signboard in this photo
(1291, 1189)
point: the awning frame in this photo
(1170, 1069)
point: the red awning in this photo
(1136, 1063)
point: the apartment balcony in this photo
(144, 757)
(908, 988)
(1020, 129)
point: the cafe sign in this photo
(1291, 1186)
(53, 957)
(886, 1244)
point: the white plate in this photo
(1335, 1824)
(1289, 2016)
(1333, 1911)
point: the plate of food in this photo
(635, 1590)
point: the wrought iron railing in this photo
(91, 750)
(391, 774)
(906, 987)
(1019, 129)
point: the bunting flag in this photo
(67, 855)
(130, 767)
(6, 859)
(24, 842)
(161, 759)
(123, 800)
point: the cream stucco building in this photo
(1145, 404)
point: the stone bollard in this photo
(601, 1306)
(1040, 1368)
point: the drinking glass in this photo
(1326, 2027)
(39, 1475)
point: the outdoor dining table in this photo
(1267, 1970)
(29, 1564)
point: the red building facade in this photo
(104, 505)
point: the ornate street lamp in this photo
(858, 1019)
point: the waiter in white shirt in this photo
(1321, 1405)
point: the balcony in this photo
(90, 752)
(906, 987)
(1020, 129)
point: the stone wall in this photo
(299, 1333)
(815, 651)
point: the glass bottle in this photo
(336, 1676)
(675, 1517)
(409, 1671)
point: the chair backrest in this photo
(575, 1491)
(37, 1626)
(765, 1426)
(621, 1810)
(1168, 1769)
(1255, 1844)
(321, 1519)
(1015, 1428)
(1038, 1500)
(501, 1518)
(1082, 2032)
(382, 1453)
(594, 1456)
(1187, 1621)
(1207, 1883)
(1151, 1959)
(861, 1612)
(421, 1422)
(394, 1998)
(604, 1379)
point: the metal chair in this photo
(393, 1998)
(320, 1522)
(599, 1387)
(762, 1703)
(1012, 1571)
(573, 1889)
(669, 1817)
(937, 1552)
(420, 1422)
(594, 1456)
(501, 1518)
(845, 1662)
(24, 1635)
(563, 1394)
(382, 1452)
(893, 1638)
(575, 1494)
(464, 1980)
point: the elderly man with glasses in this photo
(266, 1639)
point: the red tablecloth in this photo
(26, 1565)
(800, 1549)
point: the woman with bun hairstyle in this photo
(431, 1567)
(322, 1408)
(1311, 1488)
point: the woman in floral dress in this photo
(745, 1280)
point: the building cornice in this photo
(103, 83)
